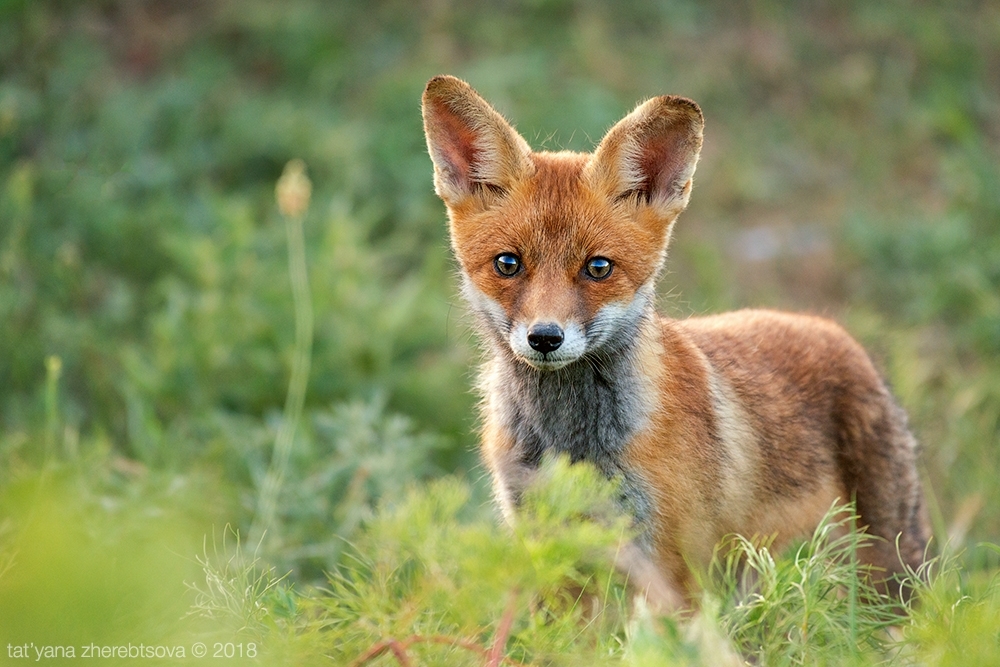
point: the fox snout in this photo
(550, 343)
(547, 344)
(545, 337)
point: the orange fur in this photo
(752, 422)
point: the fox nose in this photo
(545, 338)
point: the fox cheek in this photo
(486, 308)
(617, 319)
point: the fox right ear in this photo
(476, 153)
(649, 157)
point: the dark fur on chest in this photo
(589, 409)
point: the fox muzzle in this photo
(545, 337)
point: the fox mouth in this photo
(546, 362)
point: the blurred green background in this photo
(851, 168)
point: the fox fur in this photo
(752, 422)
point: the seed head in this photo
(293, 189)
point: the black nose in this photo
(545, 338)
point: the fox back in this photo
(753, 422)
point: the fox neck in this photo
(589, 409)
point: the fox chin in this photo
(753, 422)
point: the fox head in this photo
(559, 251)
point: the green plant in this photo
(147, 335)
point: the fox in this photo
(753, 422)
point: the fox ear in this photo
(650, 155)
(476, 153)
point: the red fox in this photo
(752, 422)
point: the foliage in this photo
(435, 579)
(99, 560)
(148, 326)
(815, 606)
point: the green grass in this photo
(435, 578)
(149, 330)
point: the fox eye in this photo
(599, 268)
(507, 265)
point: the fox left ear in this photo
(650, 155)
(476, 153)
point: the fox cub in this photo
(753, 422)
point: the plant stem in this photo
(503, 632)
(295, 399)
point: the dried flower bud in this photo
(53, 364)
(293, 189)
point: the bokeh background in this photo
(147, 328)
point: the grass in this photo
(436, 581)
(150, 327)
